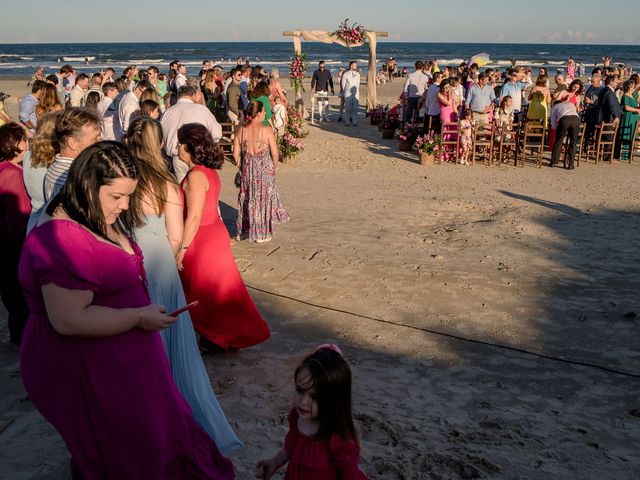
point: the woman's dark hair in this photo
(97, 165)
(11, 135)
(199, 143)
(148, 106)
(443, 84)
(331, 378)
(627, 86)
(262, 89)
(93, 98)
(255, 107)
(578, 82)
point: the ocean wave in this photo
(78, 59)
(543, 53)
(147, 61)
(450, 61)
(12, 55)
(557, 63)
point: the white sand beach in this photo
(463, 297)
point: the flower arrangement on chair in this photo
(354, 35)
(297, 69)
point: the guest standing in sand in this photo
(109, 393)
(15, 208)
(350, 84)
(256, 152)
(160, 218)
(130, 104)
(226, 317)
(49, 101)
(76, 129)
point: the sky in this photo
(477, 21)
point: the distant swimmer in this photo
(86, 60)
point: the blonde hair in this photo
(42, 149)
(150, 94)
(49, 101)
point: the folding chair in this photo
(579, 146)
(507, 140)
(483, 134)
(226, 142)
(450, 138)
(606, 142)
(532, 139)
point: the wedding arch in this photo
(330, 37)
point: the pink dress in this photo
(310, 459)
(112, 399)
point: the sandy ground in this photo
(417, 272)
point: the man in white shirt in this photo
(79, 91)
(186, 110)
(181, 77)
(430, 100)
(130, 104)
(414, 87)
(564, 119)
(110, 126)
(350, 84)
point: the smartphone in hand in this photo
(183, 309)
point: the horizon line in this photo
(287, 41)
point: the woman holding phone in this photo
(159, 214)
(92, 360)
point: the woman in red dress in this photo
(225, 316)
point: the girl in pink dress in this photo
(322, 443)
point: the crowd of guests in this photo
(110, 224)
(442, 95)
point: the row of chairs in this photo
(525, 143)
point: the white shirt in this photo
(77, 97)
(56, 176)
(110, 123)
(415, 84)
(431, 99)
(180, 81)
(562, 109)
(128, 106)
(279, 115)
(350, 84)
(183, 112)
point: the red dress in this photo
(225, 315)
(310, 459)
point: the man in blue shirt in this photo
(480, 99)
(514, 86)
(27, 113)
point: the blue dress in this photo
(179, 340)
(34, 183)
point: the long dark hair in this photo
(97, 165)
(331, 377)
(199, 143)
(144, 139)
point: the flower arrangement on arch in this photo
(351, 35)
(430, 143)
(290, 143)
(297, 69)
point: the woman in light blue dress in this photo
(159, 240)
(35, 163)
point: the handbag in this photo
(238, 180)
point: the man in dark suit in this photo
(610, 111)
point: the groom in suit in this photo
(610, 111)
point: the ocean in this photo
(24, 59)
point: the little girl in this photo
(322, 441)
(466, 135)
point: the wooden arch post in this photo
(325, 37)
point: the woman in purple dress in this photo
(15, 207)
(92, 359)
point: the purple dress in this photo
(112, 399)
